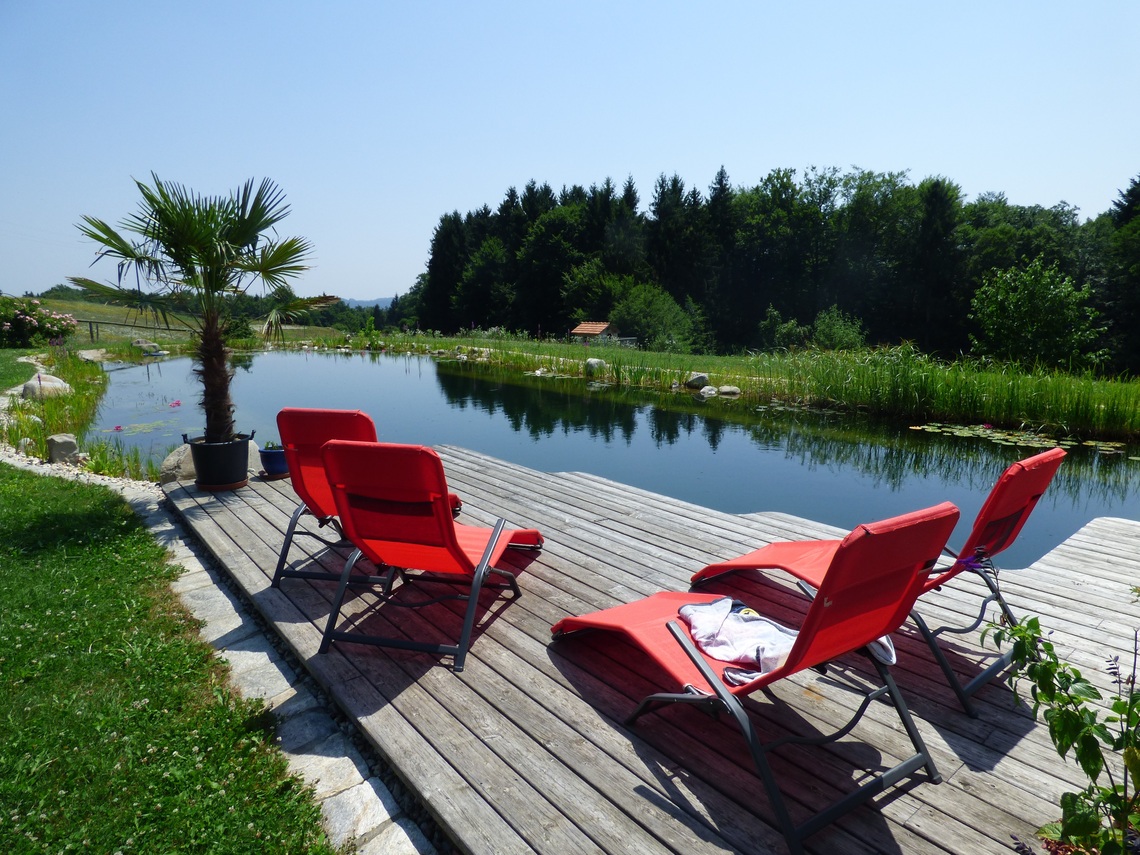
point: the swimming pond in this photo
(725, 455)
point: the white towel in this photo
(730, 631)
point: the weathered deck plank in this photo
(524, 751)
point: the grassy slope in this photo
(120, 732)
(116, 326)
(12, 371)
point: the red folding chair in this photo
(303, 432)
(997, 525)
(393, 505)
(873, 578)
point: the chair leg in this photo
(338, 600)
(473, 601)
(965, 692)
(293, 520)
(943, 663)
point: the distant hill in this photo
(382, 302)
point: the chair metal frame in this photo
(877, 574)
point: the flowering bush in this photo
(25, 323)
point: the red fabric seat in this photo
(1000, 520)
(393, 505)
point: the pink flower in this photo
(117, 427)
(176, 403)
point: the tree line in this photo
(867, 256)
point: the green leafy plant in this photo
(1103, 738)
(1035, 315)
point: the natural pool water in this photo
(720, 454)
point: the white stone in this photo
(45, 386)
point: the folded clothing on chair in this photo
(732, 631)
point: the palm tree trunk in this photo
(215, 372)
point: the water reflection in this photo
(890, 456)
(722, 453)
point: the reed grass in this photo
(899, 384)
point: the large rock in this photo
(178, 466)
(594, 367)
(62, 448)
(144, 345)
(697, 380)
(45, 386)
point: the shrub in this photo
(1035, 316)
(25, 323)
(835, 330)
(776, 333)
(1103, 737)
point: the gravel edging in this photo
(366, 808)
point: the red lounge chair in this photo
(998, 523)
(873, 578)
(303, 431)
(393, 505)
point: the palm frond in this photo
(290, 312)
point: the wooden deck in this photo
(524, 751)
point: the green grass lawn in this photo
(120, 732)
(12, 372)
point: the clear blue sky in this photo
(378, 117)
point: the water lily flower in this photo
(117, 427)
(176, 403)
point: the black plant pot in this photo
(220, 465)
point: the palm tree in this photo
(190, 254)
